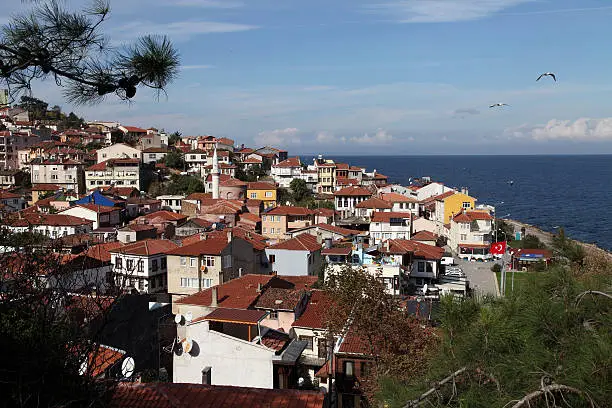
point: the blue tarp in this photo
(96, 198)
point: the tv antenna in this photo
(127, 367)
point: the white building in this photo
(401, 203)
(470, 234)
(51, 225)
(299, 256)
(11, 143)
(430, 190)
(10, 202)
(142, 265)
(67, 174)
(171, 202)
(118, 151)
(100, 215)
(346, 200)
(114, 172)
(154, 154)
(284, 172)
(390, 225)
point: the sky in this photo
(374, 76)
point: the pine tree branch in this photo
(426, 394)
(548, 390)
(591, 292)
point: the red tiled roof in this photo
(28, 219)
(101, 252)
(134, 129)
(279, 299)
(353, 191)
(100, 209)
(166, 215)
(289, 210)
(315, 312)
(199, 196)
(337, 251)
(275, 339)
(168, 395)
(45, 187)
(225, 141)
(7, 195)
(380, 216)
(250, 217)
(397, 198)
(251, 160)
(101, 359)
(444, 196)
(242, 316)
(470, 216)
(139, 227)
(380, 176)
(353, 344)
(303, 242)
(403, 246)
(102, 165)
(155, 150)
(424, 236)
(326, 212)
(290, 162)
(374, 203)
(260, 185)
(238, 293)
(147, 247)
(232, 182)
(210, 246)
(258, 241)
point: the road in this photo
(482, 279)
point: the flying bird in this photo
(495, 105)
(550, 74)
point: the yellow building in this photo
(451, 203)
(327, 177)
(263, 191)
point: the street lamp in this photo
(500, 218)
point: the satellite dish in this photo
(83, 368)
(425, 288)
(188, 317)
(127, 367)
(187, 345)
(300, 381)
(178, 319)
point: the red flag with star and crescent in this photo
(498, 248)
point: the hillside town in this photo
(223, 248)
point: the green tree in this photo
(36, 108)
(567, 248)
(175, 160)
(70, 48)
(174, 138)
(72, 121)
(299, 190)
(548, 342)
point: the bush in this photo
(496, 268)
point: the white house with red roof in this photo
(401, 203)
(51, 225)
(286, 171)
(65, 173)
(346, 200)
(114, 172)
(100, 215)
(11, 202)
(118, 151)
(142, 265)
(390, 225)
(470, 234)
(299, 256)
(325, 231)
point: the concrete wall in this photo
(233, 361)
(295, 263)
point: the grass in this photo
(519, 279)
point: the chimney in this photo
(229, 235)
(328, 243)
(213, 297)
(259, 288)
(319, 237)
(248, 234)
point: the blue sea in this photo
(573, 192)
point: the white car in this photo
(447, 260)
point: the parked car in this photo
(447, 260)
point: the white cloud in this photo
(582, 129)
(440, 11)
(380, 137)
(279, 137)
(325, 137)
(178, 30)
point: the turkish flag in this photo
(498, 248)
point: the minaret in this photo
(215, 175)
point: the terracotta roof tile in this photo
(279, 299)
(303, 242)
(353, 344)
(380, 216)
(337, 251)
(353, 191)
(134, 129)
(424, 236)
(165, 215)
(243, 316)
(147, 247)
(397, 198)
(168, 395)
(470, 216)
(261, 185)
(289, 210)
(275, 339)
(101, 252)
(238, 293)
(403, 246)
(290, 162)
(314, 315)
(374, 203)
(210, 246)
(101, 359)
(28, 219)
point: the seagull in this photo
(550, 74)
(498, 105)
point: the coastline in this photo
(546, 237)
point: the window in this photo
(103, 155)
(206, 283)
(129, 265)
(227, 261)
(54, 177)
(118, 263)
(463, 237)
(253, 195)
(349, 368)
(365, 369)
(128, 238)
(190, 283)
(278, 218)
(193, 262)
(183, 261)
(268, 194)
(141, 266)
(152, 156)
(164, 263)
(428, 267)
(307, 339)
(207, 376)
(140, 284)
(271, 258)
(263, 218)
(273, 314)
(265, 230)
(421, 266)
(154, 265)
(467, 205)
(208, 261)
